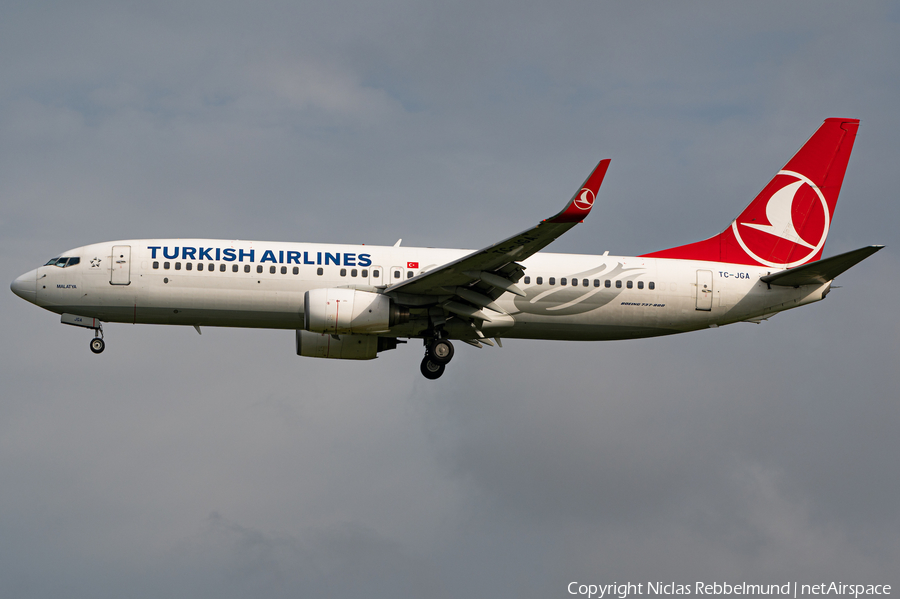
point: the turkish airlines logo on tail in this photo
(585, 200)
(780, 214)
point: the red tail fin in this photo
(787, 224)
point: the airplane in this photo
(352, 302)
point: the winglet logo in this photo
(585, 199)
(779, 211)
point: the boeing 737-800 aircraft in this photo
(353, 301)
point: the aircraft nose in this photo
(25, 286)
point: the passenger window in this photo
(596, 282)
(640, 284)
(271, 270)
(234, 268)
(365, 273)
(409, 274)
(284, 270)
(375, 273)
(210, 267)
(396, 274)
(562, 281)
(343, 272)
(652, 285)
(199, 266)
(188, 265)
(178, 266)
(552, 280)
(353, 272)
(259, 268)
(165, 265)
(296, 270)
(607, 283)
(527, 280)
(618, 284)
(629, 284)
(540, 280)
(586, 283)
(319, 271)
(246, 268)
(222, 267)
(155, 265)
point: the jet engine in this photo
(342, 347)
(337, 311)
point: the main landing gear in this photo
(437, 354)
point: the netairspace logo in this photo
(790, 589)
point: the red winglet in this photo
(581, 203)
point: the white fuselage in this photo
(262, 284)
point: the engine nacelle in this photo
(346, 311)
(344, 347)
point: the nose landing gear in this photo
(437, 354)
(97, 343)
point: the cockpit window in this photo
(63, 262)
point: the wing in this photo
(482, 276)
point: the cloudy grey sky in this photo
(223, 465)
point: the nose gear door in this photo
(121, 265)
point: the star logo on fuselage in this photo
(95, 263)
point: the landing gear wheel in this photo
(441, 351)
(431, 369)
(97, 345)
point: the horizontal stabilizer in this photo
(821, 271)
